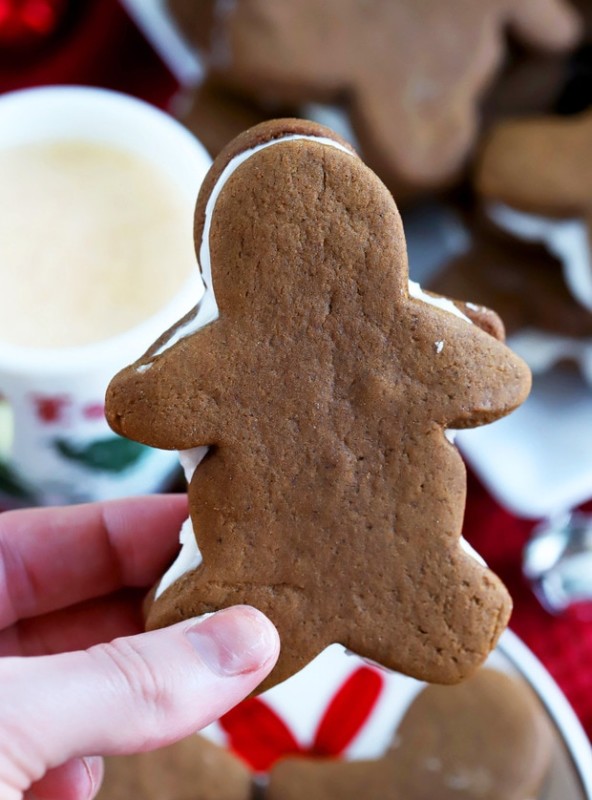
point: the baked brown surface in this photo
(486, 739)
(540, 165)
(490, 734)
(192, 769)
(330, 498)
(410, 73)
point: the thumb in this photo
(131, 694)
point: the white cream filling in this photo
(568, 240)
(470, 551)
(189, 556)
(542, 350)
(443, 303)
(190, 460)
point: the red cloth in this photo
(563, 643)
(261, 737)
(97, 45)
(102, 47)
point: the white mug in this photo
(55, 445)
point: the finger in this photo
(133, 694)
(547, 24)
(76, 628)
(78, 779)
(52, 558)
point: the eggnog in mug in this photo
(97, 192)
(94, 239)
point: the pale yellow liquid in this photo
(93, 240)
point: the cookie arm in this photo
(483, 382)
(467, 377)
(509, 168)
(169, 403)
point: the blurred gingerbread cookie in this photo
(192, 769)
(409, 74)
(535, 179)
(486, 739)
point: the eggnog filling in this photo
(189, 556)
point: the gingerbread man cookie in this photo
(486, 739)
(410, 73)
(330, 497)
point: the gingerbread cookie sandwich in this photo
(486, 739)
(324, 384)
(535, 179)
(408, 74)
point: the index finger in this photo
(51, 558)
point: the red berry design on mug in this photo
(51, 409)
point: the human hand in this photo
(71, 586)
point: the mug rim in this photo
(20, 359)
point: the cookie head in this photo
(330, 497)
(487, 738)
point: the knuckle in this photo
(142, 682)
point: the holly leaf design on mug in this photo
(112, 454)
(12, 484)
